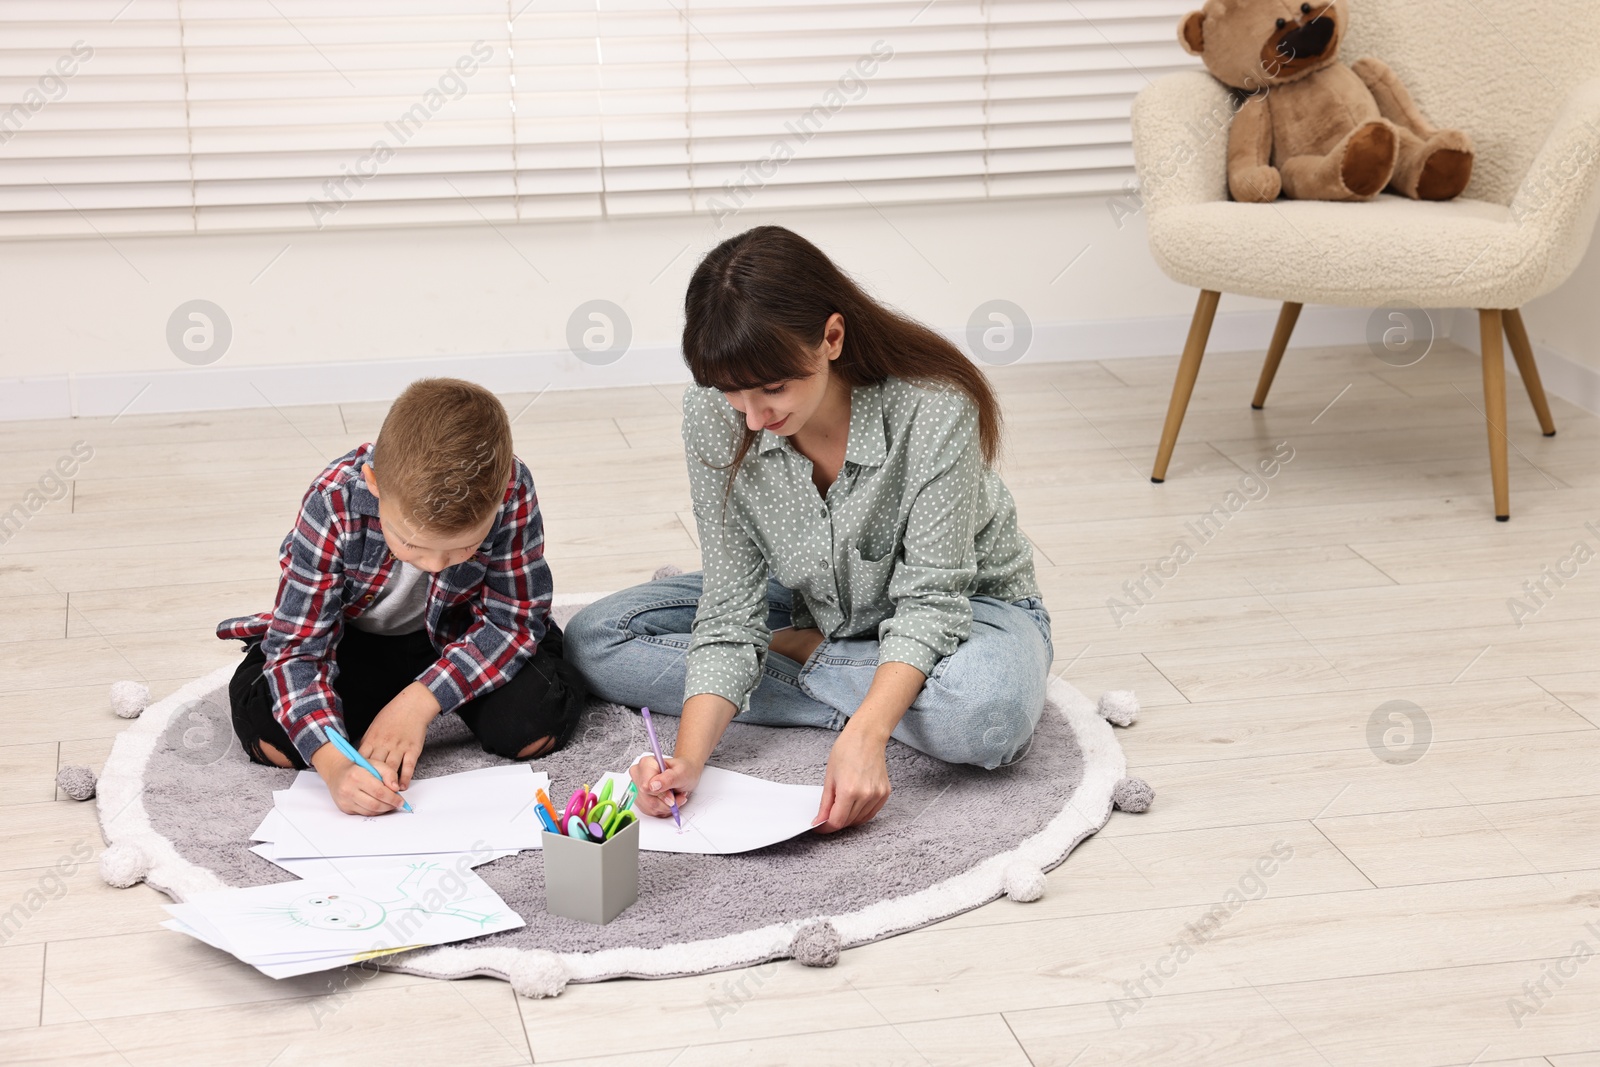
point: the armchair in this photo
(1524, 82)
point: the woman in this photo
(843, 450)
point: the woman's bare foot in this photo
(796, 644)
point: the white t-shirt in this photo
(401, 606)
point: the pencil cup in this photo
(594, 883)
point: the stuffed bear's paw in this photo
(1370, 153)
(1448, 166)
(1256, 185)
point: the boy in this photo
(414, 583)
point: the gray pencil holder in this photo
(594, 883)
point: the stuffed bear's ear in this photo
(1191, 32)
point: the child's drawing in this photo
(354, 911)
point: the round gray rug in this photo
(178, 787)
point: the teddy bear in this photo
(1309, 126)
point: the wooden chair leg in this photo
(1183, 386)
(1517, 334)
(1280, 341)
(1490, 324)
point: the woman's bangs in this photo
(749, 359)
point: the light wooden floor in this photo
(1419, 904)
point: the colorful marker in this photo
(544, 800)
(661, 764)
(348, 751)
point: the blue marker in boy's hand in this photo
(348, 751)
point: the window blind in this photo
(179, 116)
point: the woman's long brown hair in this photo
(755, 312)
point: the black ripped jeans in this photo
(543, 699)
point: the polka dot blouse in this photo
(913, 527)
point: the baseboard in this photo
(222, 387)
(1577, 383)
(1565, 377)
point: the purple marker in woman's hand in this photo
(661, 764)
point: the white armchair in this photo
(1521, 81)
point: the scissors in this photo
(599, 818)
(591, 816)
(582, 800)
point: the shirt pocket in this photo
(869, 578)
(878, 539)
(872, 555)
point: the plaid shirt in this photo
(485, 616)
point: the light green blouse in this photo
(914, 526)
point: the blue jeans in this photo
(979, 706)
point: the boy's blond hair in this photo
(444, 454)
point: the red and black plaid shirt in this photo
(485, 616)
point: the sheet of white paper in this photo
(729, 812)
(311, 781)
(490, 809)
(186, 920)
(284, 839)
(414, 904)
(272, 827)
(184, 928)
(339, 866)
(196, 926)
(305, 965)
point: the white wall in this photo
(355, 314)
(1568, 320)
(1564, 328)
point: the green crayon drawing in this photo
(353, 911)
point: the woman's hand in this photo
(856, 786)
(394, 740)
(657, 786)
(857, 782)
(705, 716)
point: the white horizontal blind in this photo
(176, 116)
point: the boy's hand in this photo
(394, 740)
(656, 785)
(352, 787)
